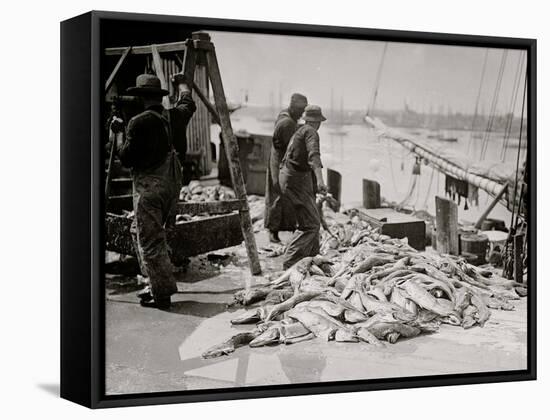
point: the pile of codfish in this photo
(195, 191)
(367, 288)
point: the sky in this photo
(422, 75)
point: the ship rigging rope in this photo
(513, 101)
(391, 165)
(474, 119)
(417, 191)
(412, 185)
(377, 80)
(494, 103)
(425, 205)
(515, 213)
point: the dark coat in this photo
(279, 215)
(147, 142)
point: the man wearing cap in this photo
(300, 178)
(155, 143)
(279, 214)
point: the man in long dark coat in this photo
(300, 178)
(279, 215)
(154, 139)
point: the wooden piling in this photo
(334, 185)
(371, 194)
(446, 222)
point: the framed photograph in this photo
(254, 209)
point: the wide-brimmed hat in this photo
(313, 113)
(147, 84)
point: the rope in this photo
(514, 222)
(474, 120)
(513, 101)
(391, 166)
(377, 80)
(492, 114)
(425, 205)
(409, 194)
(417, 191)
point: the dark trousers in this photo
(155, 196)
(279, 213)
(297, 188)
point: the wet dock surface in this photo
(148, 350)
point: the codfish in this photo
(250, 296)
(295, 274)
(319, 325)
(451, 319)
(468, 317)
(424, 299)
(372, 261)
(368, 337)
(229, 346)
(392, 337)
(269, 336)
(278, 296)
(333, 309)
(248, 317)
(373, 306)
(398, 297)
(445, 303)
(498, 303)
(315, 270)
(289, 304)
(382, 329)
(462, 300)
(308, 336)
(291, 332)
(483, 312)
(378, 293)
(355, 301)
(344, 336)
(352, 316)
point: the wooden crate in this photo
(396, 225)
(186, 239)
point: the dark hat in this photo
(147, 84)
(297, 100)
(313, 113)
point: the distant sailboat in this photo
(271, 117)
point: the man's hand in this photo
(117, 125)
(321, 187)
(181, 82)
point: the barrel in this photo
(473, 244)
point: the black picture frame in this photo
(82, 226)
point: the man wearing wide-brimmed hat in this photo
(300, 178)
(155, 143)
(279, 215)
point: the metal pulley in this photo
(416, 166)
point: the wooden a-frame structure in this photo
(200, 48)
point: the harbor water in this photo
(356, 152)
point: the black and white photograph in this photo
(285, 209)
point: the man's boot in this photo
(145, 294)
(163, 303)
(274, 237)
